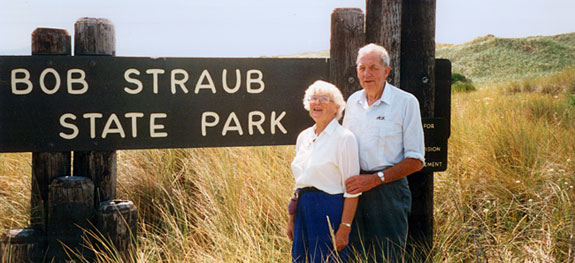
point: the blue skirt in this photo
(316, 213)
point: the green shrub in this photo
(462, 86)
(460, 83)
(455, 77)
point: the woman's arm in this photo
(342, 234)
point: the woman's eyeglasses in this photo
(322, 99)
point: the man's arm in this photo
(364, 182)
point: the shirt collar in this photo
(329, 128)
(385, 96)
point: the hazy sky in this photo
(251, 28)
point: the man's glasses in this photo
(322, 99)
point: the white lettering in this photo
(154, 126)
(25, 80)
(258, 80)
(80, 80)
(43, 85)
(180, 82)
(433, 164)
(225, 81)
(134, 116)
(138, 83)
(70, 126)
(258, 123)
(433, 149)
(205, 123)
(200, 85)
(155, 73)
(277, 122)
(237, 126)
(92, 117)
(107, 128)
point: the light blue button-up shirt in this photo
(388, 131)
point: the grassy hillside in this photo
(489, 58)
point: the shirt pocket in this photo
(390, 139)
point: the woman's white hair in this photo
(325, 88)
(377, 48)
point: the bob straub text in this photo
(126, 124)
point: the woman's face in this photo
(322, 108)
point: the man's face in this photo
(371, 72)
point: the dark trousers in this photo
(380, 223)
(312, 240)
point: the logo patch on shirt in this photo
(380, 118)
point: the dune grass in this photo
(508, 193)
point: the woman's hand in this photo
(342, 237)
(290, 228)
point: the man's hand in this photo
(361, 183)
(342, 237)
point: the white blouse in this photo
(327, 160)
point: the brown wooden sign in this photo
(63, 103)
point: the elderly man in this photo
(387, 124)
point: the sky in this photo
(253, 28)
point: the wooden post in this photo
(117, 222)
(347, 37)
(101, 167)
(70, 211)
(96, 36)
(383, 27)
(22, 245)
(51, 41)
(47, 166)
(418, 78)
(406, 28)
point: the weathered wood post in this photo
(406, 28)
(70, 212)
(383, 26)
(347, 37)
(28, 244)
(418, 78)
(116, 220)
(22, 245)
(47, 166)
(96, 36)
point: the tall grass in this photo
(210, 205)
(507, 196)
(15, 182)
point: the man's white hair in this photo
(377, 48)
(325, 88)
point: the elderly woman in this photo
(326, 155)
